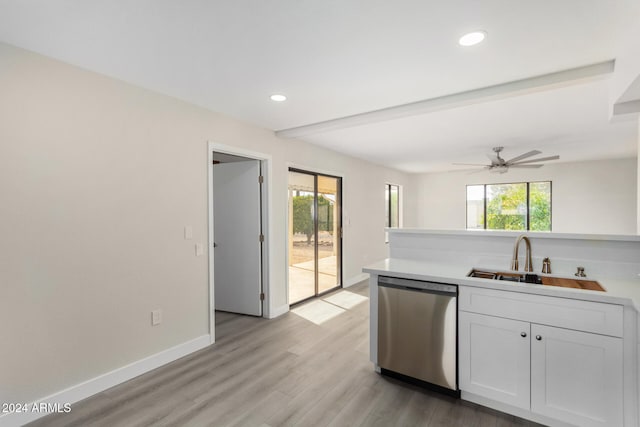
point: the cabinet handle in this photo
(538, 337)
(523, 334)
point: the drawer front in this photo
(588, 316)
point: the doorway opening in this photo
(315, 234)
(238, 243)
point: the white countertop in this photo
(514, 234)
(618, 291)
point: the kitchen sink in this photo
(531, 278)
(507, 276)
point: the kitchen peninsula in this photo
(557, 355)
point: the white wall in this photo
(587, 197)
(97, 180)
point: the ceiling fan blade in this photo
(524, 156)
(518, 165)
(541, 159)
(468, 164)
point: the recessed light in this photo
(472, 38)
(277, 97)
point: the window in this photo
(514, 206)
(392, 205)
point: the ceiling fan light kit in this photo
(499, 169)
(500, 165)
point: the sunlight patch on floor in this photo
(318, 311)
(346, 299)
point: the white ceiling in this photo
(338, 58)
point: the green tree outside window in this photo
(507, 207)
(303, 215)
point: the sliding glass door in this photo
(314, 234)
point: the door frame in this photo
(267, 227)
(293, 167)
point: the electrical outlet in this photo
(156, 317)
(188, 232)
(199, 249)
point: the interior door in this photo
(236, 234)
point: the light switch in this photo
(156, 317)
(199, 249)
(188, 232)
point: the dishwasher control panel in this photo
(417, 284)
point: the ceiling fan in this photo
(500, 165)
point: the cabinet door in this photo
(494, 358)
(576, 377)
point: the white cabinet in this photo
(576, 376)
(494, 358)
(529, 363)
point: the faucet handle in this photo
(580, 272)
(546, 266)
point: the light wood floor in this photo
(282, 372)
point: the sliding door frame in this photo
(337, 233)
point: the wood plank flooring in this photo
(287, 371)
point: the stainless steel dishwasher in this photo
(417, 331)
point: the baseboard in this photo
(508, 409)
(278, 311)
(355, 279)
(100, 383)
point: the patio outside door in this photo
(315, 229)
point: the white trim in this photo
(279, 311)
(212, 304)
(355, 279)
(102, 382)
(266, 160)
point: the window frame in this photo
(528, 194)
(387, 191)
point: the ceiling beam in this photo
(629, 101)
(629, 107)
(490, 93)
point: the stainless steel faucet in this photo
(528, 265)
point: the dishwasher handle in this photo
(418, 285)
